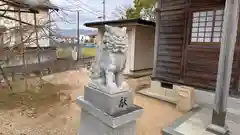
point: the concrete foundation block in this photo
(155, 84)
(160, 91)
(171, 93)
(113, 120)
(107, 114)
(90, 125)
(165, 94)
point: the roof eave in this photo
(46, 8)
(125, 22)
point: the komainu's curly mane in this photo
(110, 61)
(115, 39)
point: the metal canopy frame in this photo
(24, 8)
(19, 5)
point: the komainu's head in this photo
(115, 39)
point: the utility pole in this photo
(78, 24)
(78, 35)
(104, 10)
(230, 26)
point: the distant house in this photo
(92, 38)
(8, 20)
(10, 32)
(70, 35)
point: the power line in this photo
(83, 8)
(64, 16)
(91, 8)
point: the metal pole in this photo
(104, 10)
(78, 35)
(78, 24)
(230, 26)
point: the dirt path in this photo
(57, 114)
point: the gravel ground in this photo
(57, 114)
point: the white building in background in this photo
(73, 40)
(43, 19)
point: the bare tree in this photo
(24, 35)
(148, 14)
(120, 11)
(17, 38)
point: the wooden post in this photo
(6, 78)
(22, 49)
(13, 76)
(230, 26)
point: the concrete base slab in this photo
(90, 125)
(197, 121)
(113, 120)
(203, 98)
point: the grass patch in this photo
(64, 52)
(67, 52)
(33, 97)
(88, 52)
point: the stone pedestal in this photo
(107, 114)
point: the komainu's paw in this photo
(113, 86)
(124, 86)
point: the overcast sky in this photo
(90, 10)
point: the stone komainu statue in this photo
(110, 61)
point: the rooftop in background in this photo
(42, 4)
(120, 23)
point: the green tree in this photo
(140, 9)
(135, 11)
(146, 3)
